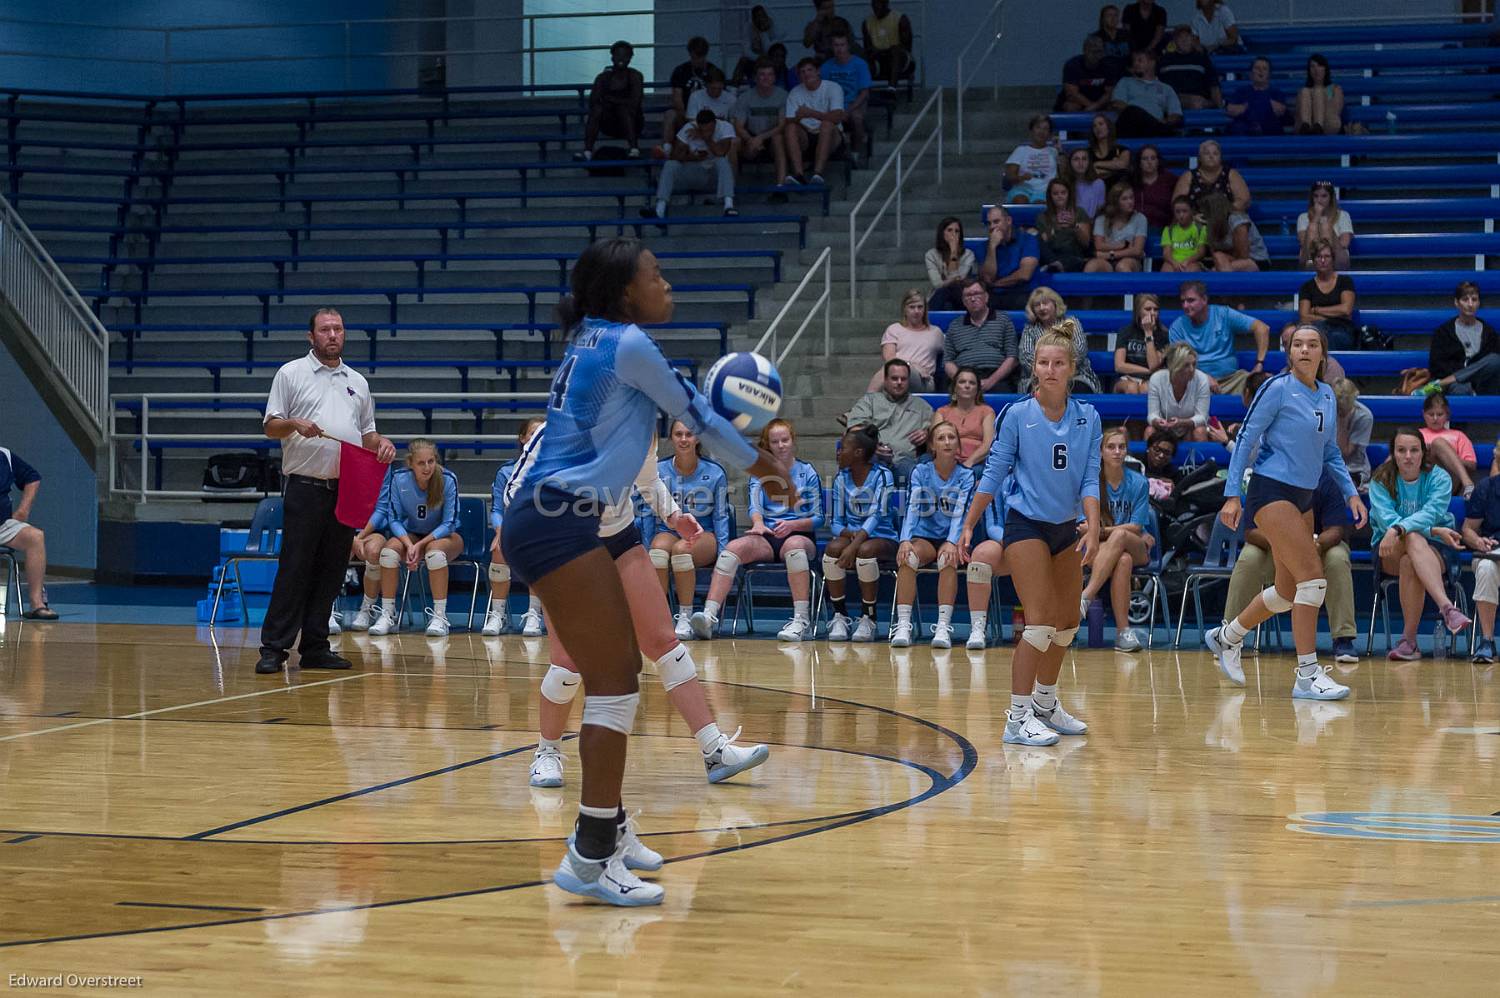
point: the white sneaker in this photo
(1029, 730)
(838, 628)
(796, 629)
(684, 628)
(704, 624)
(335, 623)
(439, 627)
(363, 619)
(1226, 656)
(605, 880)
(496, 622)
(1058, 719)
(976, 640)
(865, 630)
(547, 768)
(637, 855)
(728, 759)
(385, 625)
(531, 624)
(1127, 640)
(1319, 686)
(942, 636)
(900, 634)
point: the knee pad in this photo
(435, 560)
(661, 559)
(912, 561)
(389, 558)
(614, 713)
(980, 573)
(1039, 636)
(372, 566)
(866, 569)
(727, 563)
(1275, 602)
(795, 560)
(1064, 636)
(559, 685)
(499, 572)
(682, 563)
(1311, 592)
(832, 570)
(675, 668)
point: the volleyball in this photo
(745, 389)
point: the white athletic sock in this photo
(1019, 703)
(1233, 633)
(903, 613)
(549, 743)
(1307, 665)
(1044, 697)
(708, 737)
(534, 604)
(599, 812)
(388, 607)
(711, 607)
(729, 202)
(978, 619)
(440, 608)
(802, 609)
(367, 603)
(945, 615)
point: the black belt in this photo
(331, 484)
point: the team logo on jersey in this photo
(350, 391)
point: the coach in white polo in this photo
(312, 398)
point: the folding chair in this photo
(12, 578)
(1152, 573)
(263, 544)
(1452, 569)
(1218, 566)
(472, 528)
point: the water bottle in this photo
(1096, 623)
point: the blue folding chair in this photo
(1152, 573)
(1218, 566)
(263, 544)
(1452, 571)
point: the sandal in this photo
(40, 613)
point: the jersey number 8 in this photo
(1059, 457)
(422, 511)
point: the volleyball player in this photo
(1291, 432)
(497, 615)
(936, 499)
(864, 530)
(986, 561)
(601, 419)
(778, 532)
(701, 487)
(1125, 544)
(366, 548)
(1049, 442)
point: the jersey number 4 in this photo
(560, 384)
(1059, 457)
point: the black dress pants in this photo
(309, 571)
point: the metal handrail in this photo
(824, 262)
(996, 12)
(904, 170)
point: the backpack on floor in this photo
(241, 475)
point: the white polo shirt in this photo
(336, 398)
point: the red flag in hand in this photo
(360, 477)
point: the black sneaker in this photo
(327, 660)
(270, 662)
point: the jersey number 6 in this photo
(1059, 457)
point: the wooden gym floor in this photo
(170, 815)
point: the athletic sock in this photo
(978, 619)
(945, 615)
(802, 609)
(903, 613)
(440, 607)
(1044, 696)
(388, 607)
(1233, 633)
(708, 737)
(867, 607)
(840, 605)
(595, 834)
(1019, 704)
(534, 605)
(711, 607)
(549, 743)
(368, 603)
(1307, 665)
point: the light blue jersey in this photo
(704, 494)
(405, 508)
(1292, 432)
(935, 507)
(497, 492)
(1055, 466)
(994, 515)
(867, 507)
(601, 416)
(809, 488)
(1131, 503)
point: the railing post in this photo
(113, 457)
(827, 304)
(348, 53)
(853, 250)
(898, 197)
(145, 441)
(958, 87)
(940, 137)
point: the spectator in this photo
(818, 35)
(1450, 449)
(615, 104)
(1230, 435)
(1116, 40)
(814, 110)
(1356, 423)
(1233, 239)
(971, 415)
(687, 78)
(1324, 220)
(1214, 27)
(1147, 107)
(900, 417)
(1254, 570)
(1178, 396)
(1010, 261)
(1184, 243)
(1258, 107)
(1147, 25)
(1110, 159)
(1119, 234)
(984, 339)
(1088, 79)
(756, 117)
(1161, 465)
(712, 95)
(1077, 171)
(1320, 102)
(1062, 230)
(852, 74)
(1032, 164)
(1140, 346)
(760, 34)
(888, 42)
(702, 151)
(1210, 330)
(786, 76)
(1328, 298)
(1481, 532)
(1409, 518)
(1333, 371)
(1153, 186)
(915, 340)
(1187, 69)
(1046, 312)
(1464, 358)
(1125, 543)
(949, 266)
(16, 530)
(1211, 176)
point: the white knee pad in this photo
(389, 558)
(1277, 603)
(675, 668)
(559, 685)
(795, 560)
(1063, 637)
(1311, 592)
(832, 570)
(661, 559)
(727, 563)
(682, 563)
(499, 572)
(1486, 581)
(435, 560)
(980, 573)
(1039, 636)
(614, 713)
(866, 569)
(372, 566)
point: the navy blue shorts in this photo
(1263, 491)
(546, 529)
(1057, 536)
(777, 542)
(618, 544)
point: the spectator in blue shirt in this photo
(1210, 330)
(1257, 107)
(1010, 261)
(1481, 535)
(17, 533)
(851, 73)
